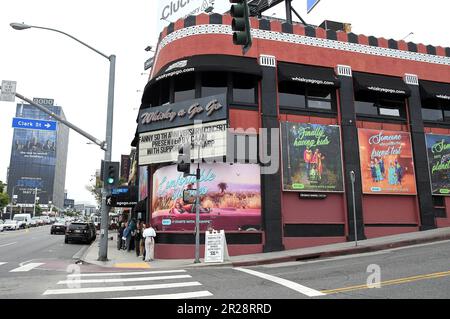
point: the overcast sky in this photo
(47, 64)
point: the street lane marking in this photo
(8, 244)
(105, 274)
(184, 295)
(120, 288)
(2, 264)
(389, 282)
(27, 267)
(284, 282)
(104, 281)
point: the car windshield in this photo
(9, 221)
(19, 218)
(35, 218)
(78, 226)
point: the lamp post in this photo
(103, 251)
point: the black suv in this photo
(80, 231)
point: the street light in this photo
(103, 251)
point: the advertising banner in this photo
(230, 198)
(387, 165)
(34, 146)
(312, 160)
(162, 146)
(143, 182)
(438, 150)
(172, 10)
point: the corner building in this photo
(344, 103)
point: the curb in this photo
(342, 252)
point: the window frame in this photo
(377, 101)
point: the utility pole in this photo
(34, 206)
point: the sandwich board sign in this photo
(216, 250)
(8, 93)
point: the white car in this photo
(11, 225)
(1, 225)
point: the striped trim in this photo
(208, 29)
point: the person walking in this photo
(149, 235)
(120, 235)
(137, 239)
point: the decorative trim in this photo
(304, 40)
(344, 70)
(411, 79)
(267, 60)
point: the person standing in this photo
(149, 235)
(137, 238)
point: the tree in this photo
(4, 199)
(96, 190)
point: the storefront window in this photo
(184, 87)
(214, 83)
(436, 111)
(377, 106)
(432, 114)
(291, 95)
(319, 98)
(244, 88)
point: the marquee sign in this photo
(208, 109)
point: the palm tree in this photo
(222, 186)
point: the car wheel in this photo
(66, 241)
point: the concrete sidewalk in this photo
(123, 259)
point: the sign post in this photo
(8, 91)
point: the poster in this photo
(230, 198)
(387, 165)
(312, 160)
(143, 182)
(438, 150)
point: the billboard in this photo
(312, 160)
(172, 10)
(387, 165)
(438, 150)
(230, 198)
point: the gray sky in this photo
(47, 64)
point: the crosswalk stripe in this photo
(104, 281)
(185, 295)
(120, 288)
(106, 274)
(2, 263)
(27, 267)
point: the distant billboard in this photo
(438, 149)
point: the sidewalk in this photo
(123, 259)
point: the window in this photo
(295, 96)
(436, 111)
(244, 88)
(373, 105)
(214, 83)
(184, 87)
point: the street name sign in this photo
(34, 124)
(8, 93)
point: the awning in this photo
(306, 74)
(141, 206)
(434, 90)
(204, 63)
(384, 85)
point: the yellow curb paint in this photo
(132, 265)
(389, 282)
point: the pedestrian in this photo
(120, 235)
(142, 242)
(130, 235)
(137, 238)
(149, 235)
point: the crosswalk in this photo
(163, 284)
(21, 268)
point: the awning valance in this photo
(306, 74)
(379, 84)
(434, 90)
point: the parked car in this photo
(23, 220)
(1, 225)
(10, 225)
(38, 220)
(58, 228)
(80, 231)
(46, 220)
(33, 223)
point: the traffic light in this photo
(241, 24)
(111, 174)
(184, 160)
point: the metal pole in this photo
(34, 206)
(289, 11)
(352, 176)
(103, 250)
(197, 218)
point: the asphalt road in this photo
(35, 264)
